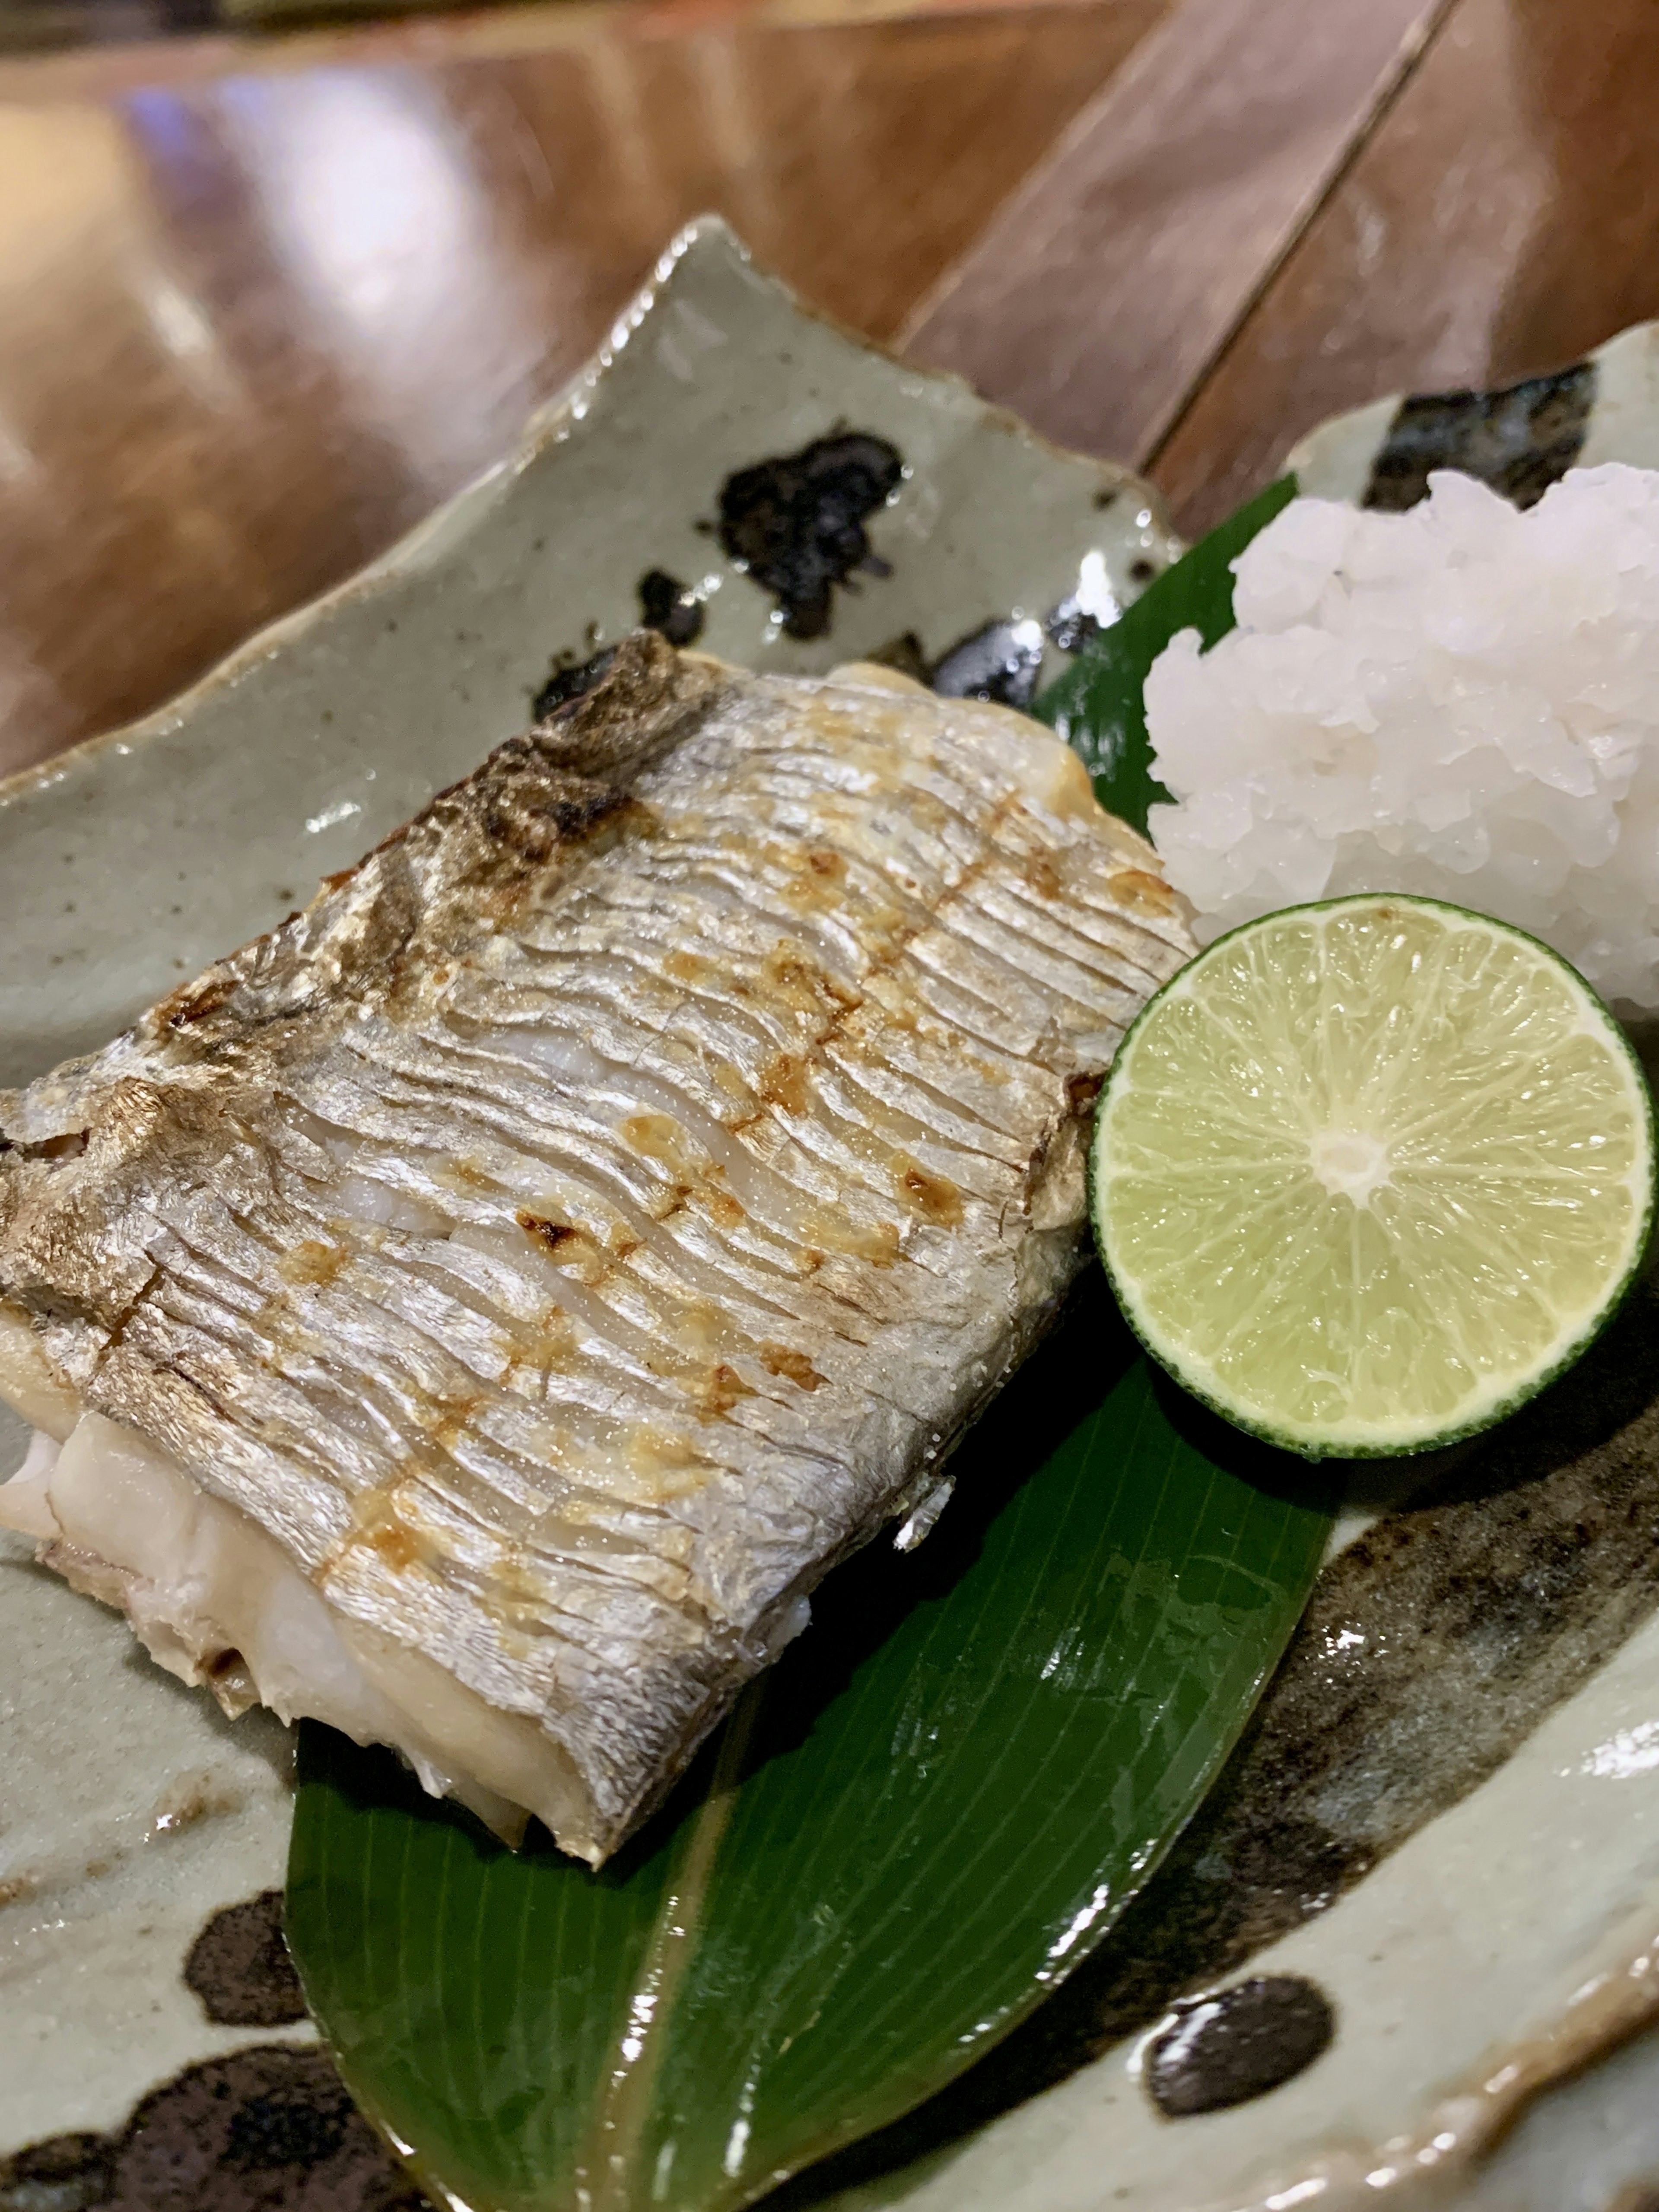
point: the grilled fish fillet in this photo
(477, 1313)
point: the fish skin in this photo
(602, 1209)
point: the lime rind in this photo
(1403, 1436)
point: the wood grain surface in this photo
(263, 303)
(1502, 219)
(1097, 299)
(252, 329)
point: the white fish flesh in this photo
(477, 1313)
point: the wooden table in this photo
(262, 302)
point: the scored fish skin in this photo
(587, 1221)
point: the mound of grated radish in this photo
(1462, 701)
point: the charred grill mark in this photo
(532, 817)
(933, 1197)
(554, 1237)
(571, 682)
(794, 1366)
(68, 1146)
(312, 1261)
(1081, 1092)
(716, 1391)
(783, 1082)
(722, 1209)
(1042, 875)
(397, 1546)
(194, 1002)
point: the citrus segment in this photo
(1365, 1175)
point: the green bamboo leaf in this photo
(913, 1828)
(1096, 706)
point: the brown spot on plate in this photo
(904, 654)
(1239, 2044)
(1519, 441)
(239, 1968)
(65, 2173)
(999, 662)
(796, 523)
(270, 2129)
(670, 607)
(194, 1796)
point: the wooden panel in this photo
(251, 330)
(1504, 219)
(1095, 300)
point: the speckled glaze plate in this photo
(882, 512)
(1446, 1818)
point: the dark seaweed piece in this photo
(240, 1967)
(1520, 441)
(1226, 2049)
(796, 523)
(670, 607)
(999, 661)
(569, 683)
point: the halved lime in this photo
(1366, 1175)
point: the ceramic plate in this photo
(132, 1815)
(1446, 1818)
